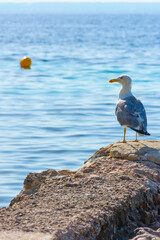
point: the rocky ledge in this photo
(114, 195)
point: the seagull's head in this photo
(123, 79)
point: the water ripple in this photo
(62, 110)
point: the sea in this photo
(56, 114)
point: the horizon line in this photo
(69, 6)
(83, 1)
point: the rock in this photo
(32, 183)
(116, 191)
(147, 234)
(134, 151)
(66, 172)
(19, 235)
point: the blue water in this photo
(58, 113)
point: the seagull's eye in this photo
(121, 77)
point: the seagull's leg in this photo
(136, 138)
(124, 140)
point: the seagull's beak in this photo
(113, 80)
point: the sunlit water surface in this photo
(58, 113)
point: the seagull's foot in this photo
(124, 141)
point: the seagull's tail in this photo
(141, 132)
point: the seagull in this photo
(130, 112)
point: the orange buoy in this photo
(25, 62)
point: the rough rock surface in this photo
(147, 234)
(114, 195)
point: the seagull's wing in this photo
(130, 112)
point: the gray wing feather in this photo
(131, 113)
